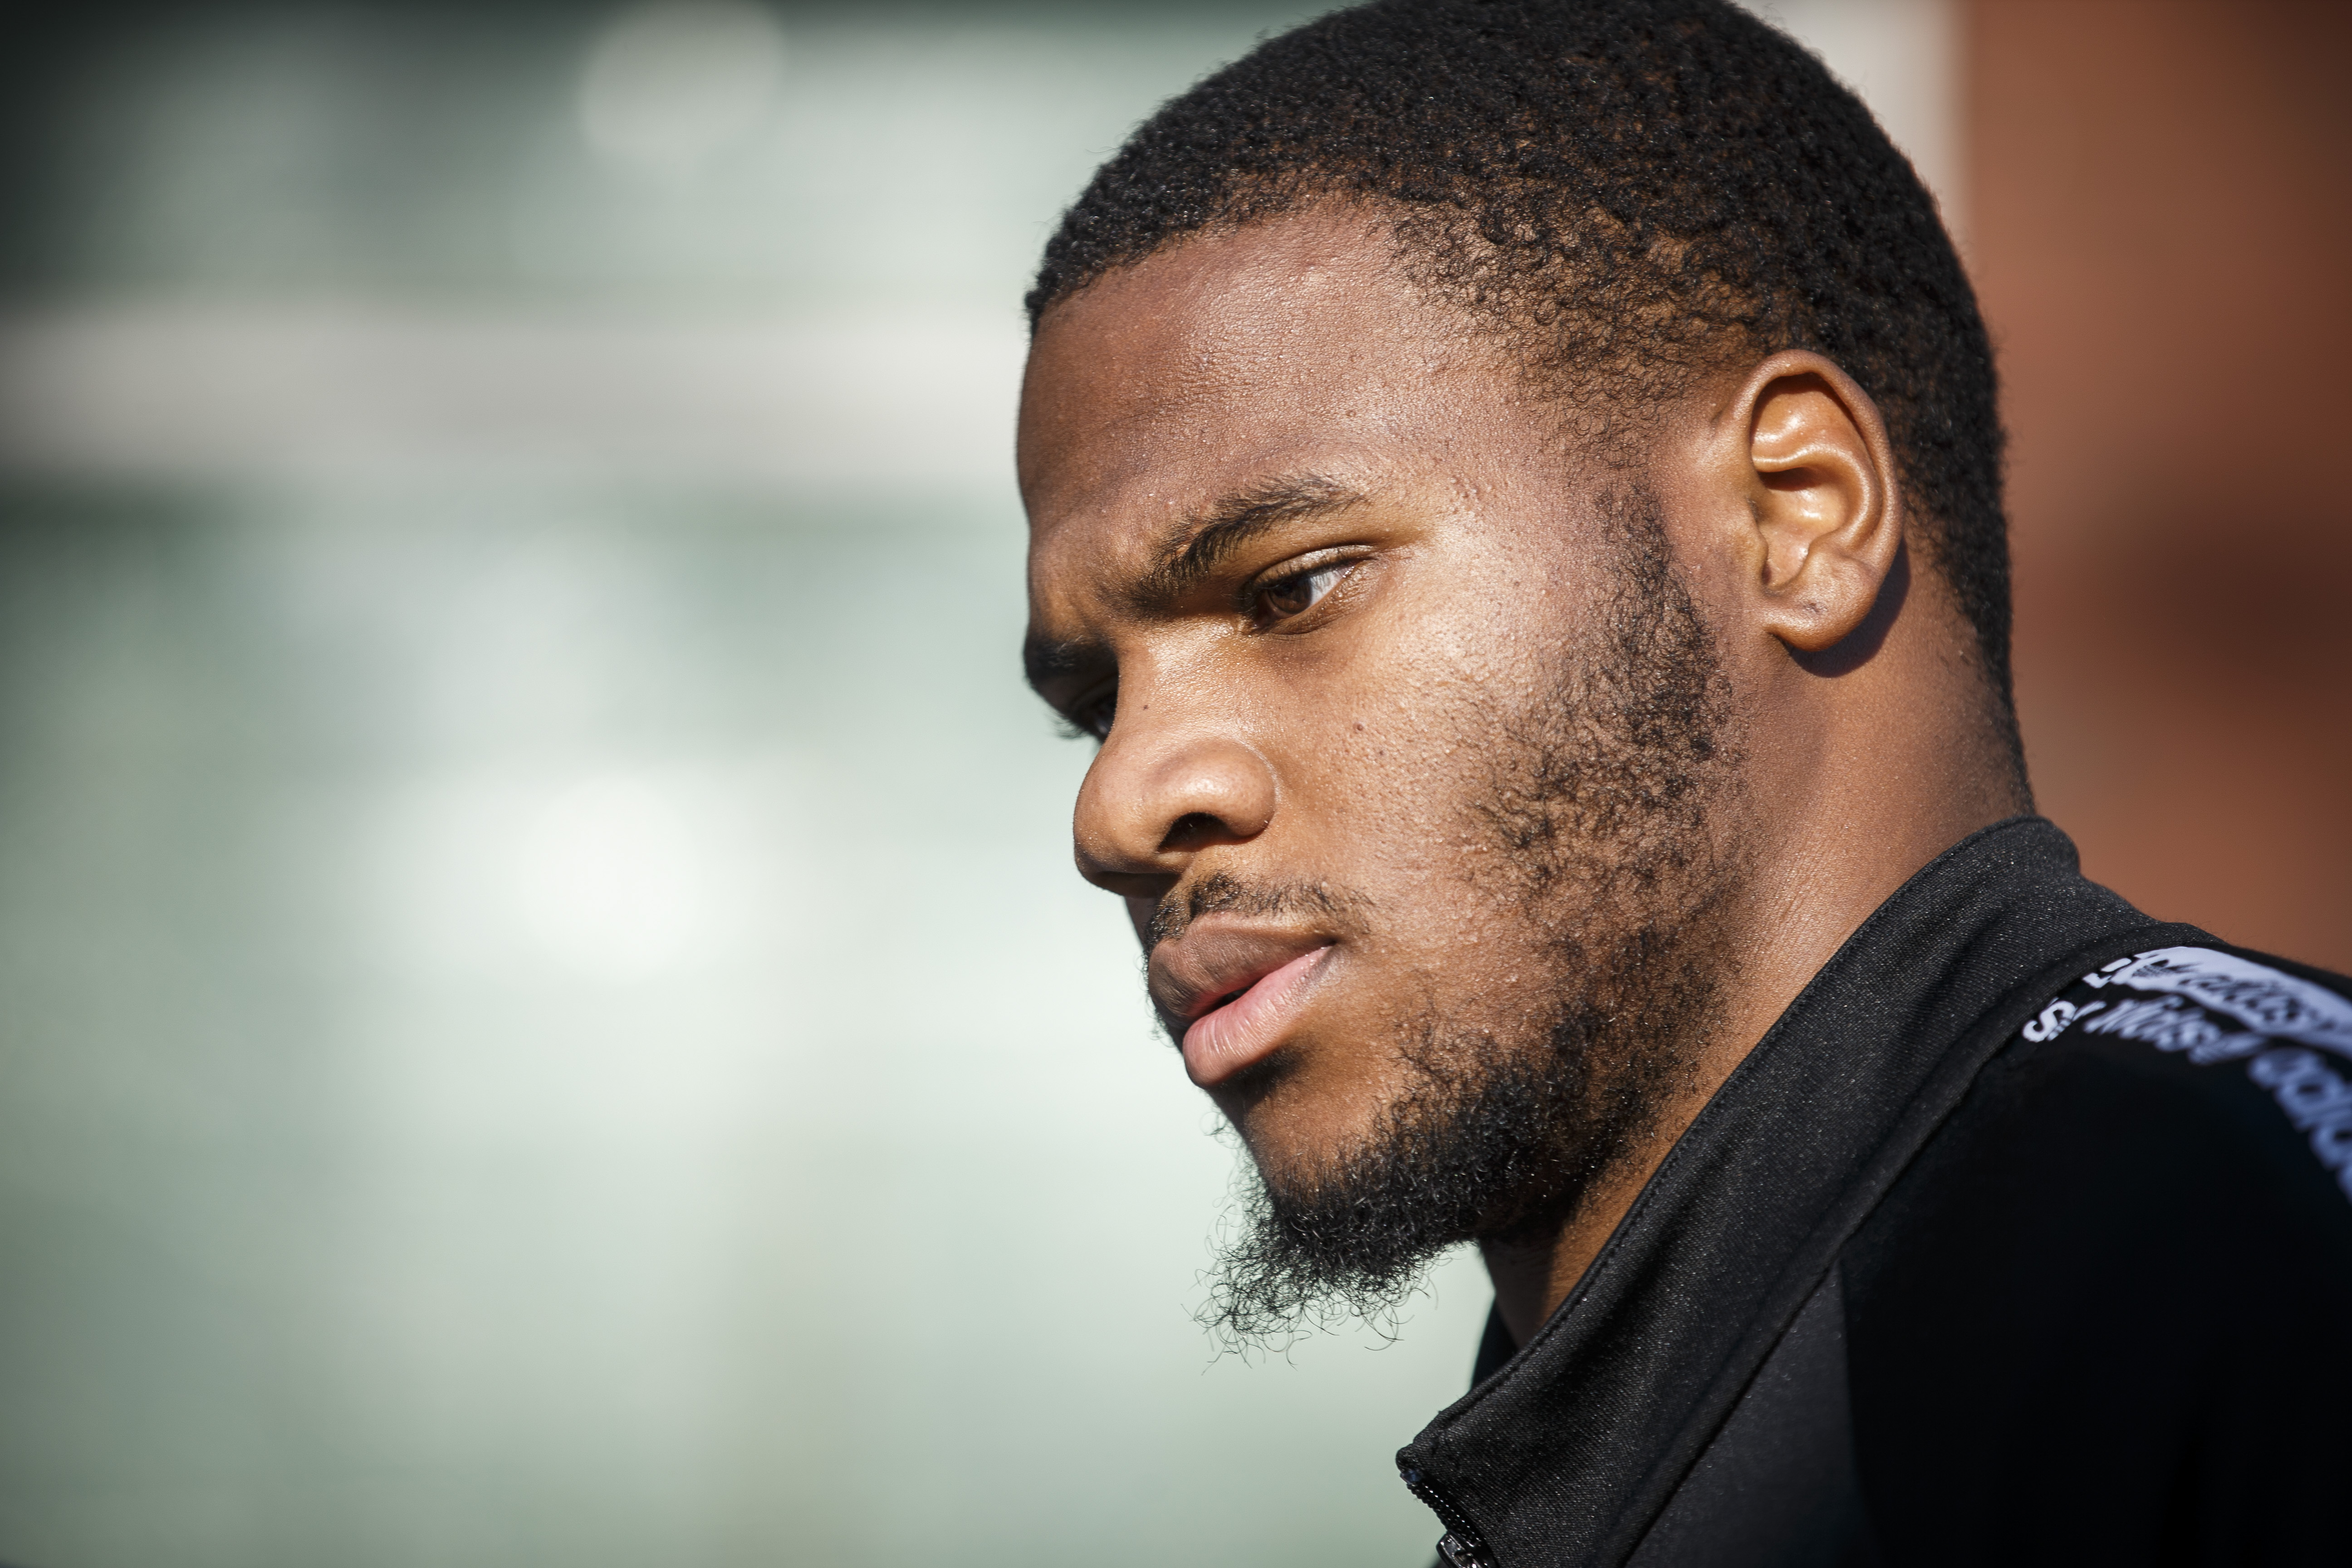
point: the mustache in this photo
(1338, 910)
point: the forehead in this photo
(1283, 349)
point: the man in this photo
(1515, 492)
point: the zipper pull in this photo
(1455, 1553)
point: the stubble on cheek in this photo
(1611, 806)
(1578, 975)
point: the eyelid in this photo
(1341, 555)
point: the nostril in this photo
(1193, 830)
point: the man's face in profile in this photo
(1417, 759)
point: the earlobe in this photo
(1822, 493)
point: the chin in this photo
(1295, 1127)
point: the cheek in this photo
(1393, 767)
(1397, 799)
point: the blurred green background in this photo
(544, 1013)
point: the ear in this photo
(1822, 496)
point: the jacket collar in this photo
(1568, 1452)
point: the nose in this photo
(1152, 801)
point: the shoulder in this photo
(2107, 1293)
(2257, 1051)
(2174, 1124)
(2196, 1099)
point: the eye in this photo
(1301, 591)
(1091, 719)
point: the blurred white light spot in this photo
(610, 880)
(670, 85)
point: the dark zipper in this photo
(1461, 1547)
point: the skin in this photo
(1340, 745)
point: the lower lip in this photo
(1247, 1028)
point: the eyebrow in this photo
(1198, 544)
(1189, 549)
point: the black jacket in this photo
(2024, 1236)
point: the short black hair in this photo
(1639, 191)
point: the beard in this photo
(1602, 793)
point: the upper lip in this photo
(1214, 959)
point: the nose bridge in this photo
(1174, 776)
